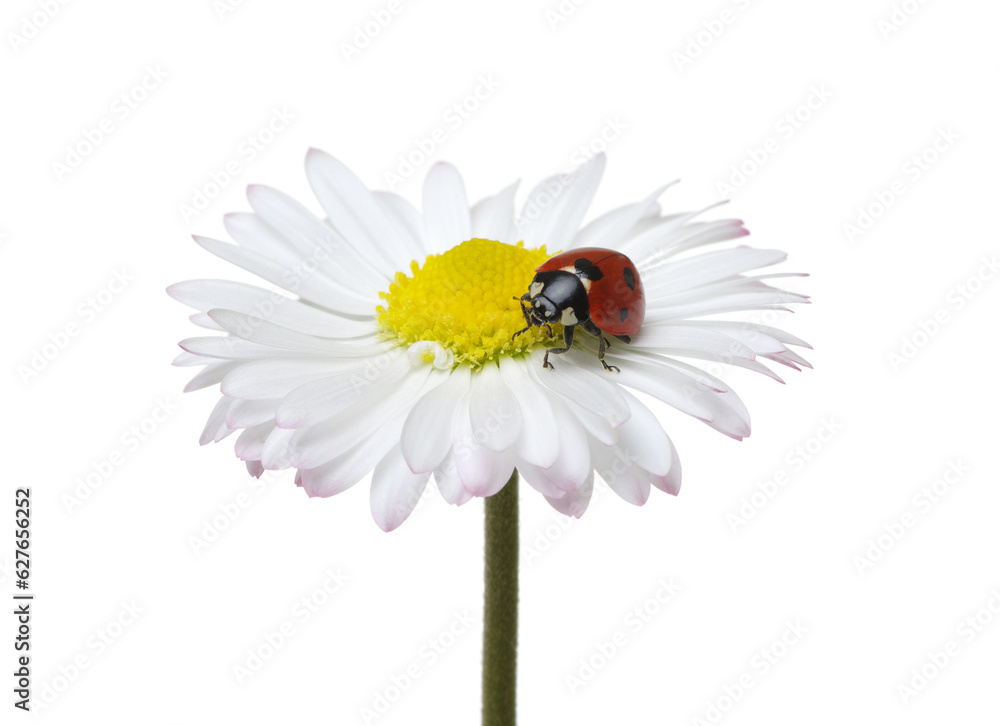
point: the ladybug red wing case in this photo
(617, 301)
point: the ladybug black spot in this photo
(623, 314)
(629, 279)
(586, 268)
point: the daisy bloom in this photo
(392, 350)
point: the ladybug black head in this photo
(544, 310)
(558, 296)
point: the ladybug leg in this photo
(568, 335)
(600, 356)
(599, 334)
(527, 318)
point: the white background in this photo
(693, 104)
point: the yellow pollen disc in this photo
(466, 299)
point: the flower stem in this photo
(500, 607)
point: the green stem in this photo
(500, 607)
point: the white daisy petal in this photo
(446, 210)
(186, 360)
(407, 220)
(493, 217)
(728, 413)
(316, 240)
(668, 385)
(626, 479)
(325, 398)
(203, 321)
(354, 425)
(588, 389)
(671, 481)
(228, 347)
(449, 485)
(427, 433)
(708, 267)
(536, 477)
(395, 490)
(254, 234)
(249, 445)
(761, 339)
(725, 303)
(673, 235)
(494, 414)
(682, 335)
(243, 414)
(215, 428)
(212, 373)
(481, 470)
(644, 441)
(485, 473)
(574, 503)
(312, 287)
(262, 332)
(346, 470)
(680, 338)
(557, 206)
(278, 452)
(608, 229)
(276, 377)
(355, 213)
(256, 302)
(538, 438)
(572, 464)
(598, 428)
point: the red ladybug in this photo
(595, 288)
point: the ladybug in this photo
(595, 288)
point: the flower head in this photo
(395, 348)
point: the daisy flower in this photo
(392, 350)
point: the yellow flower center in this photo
(466, 300)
